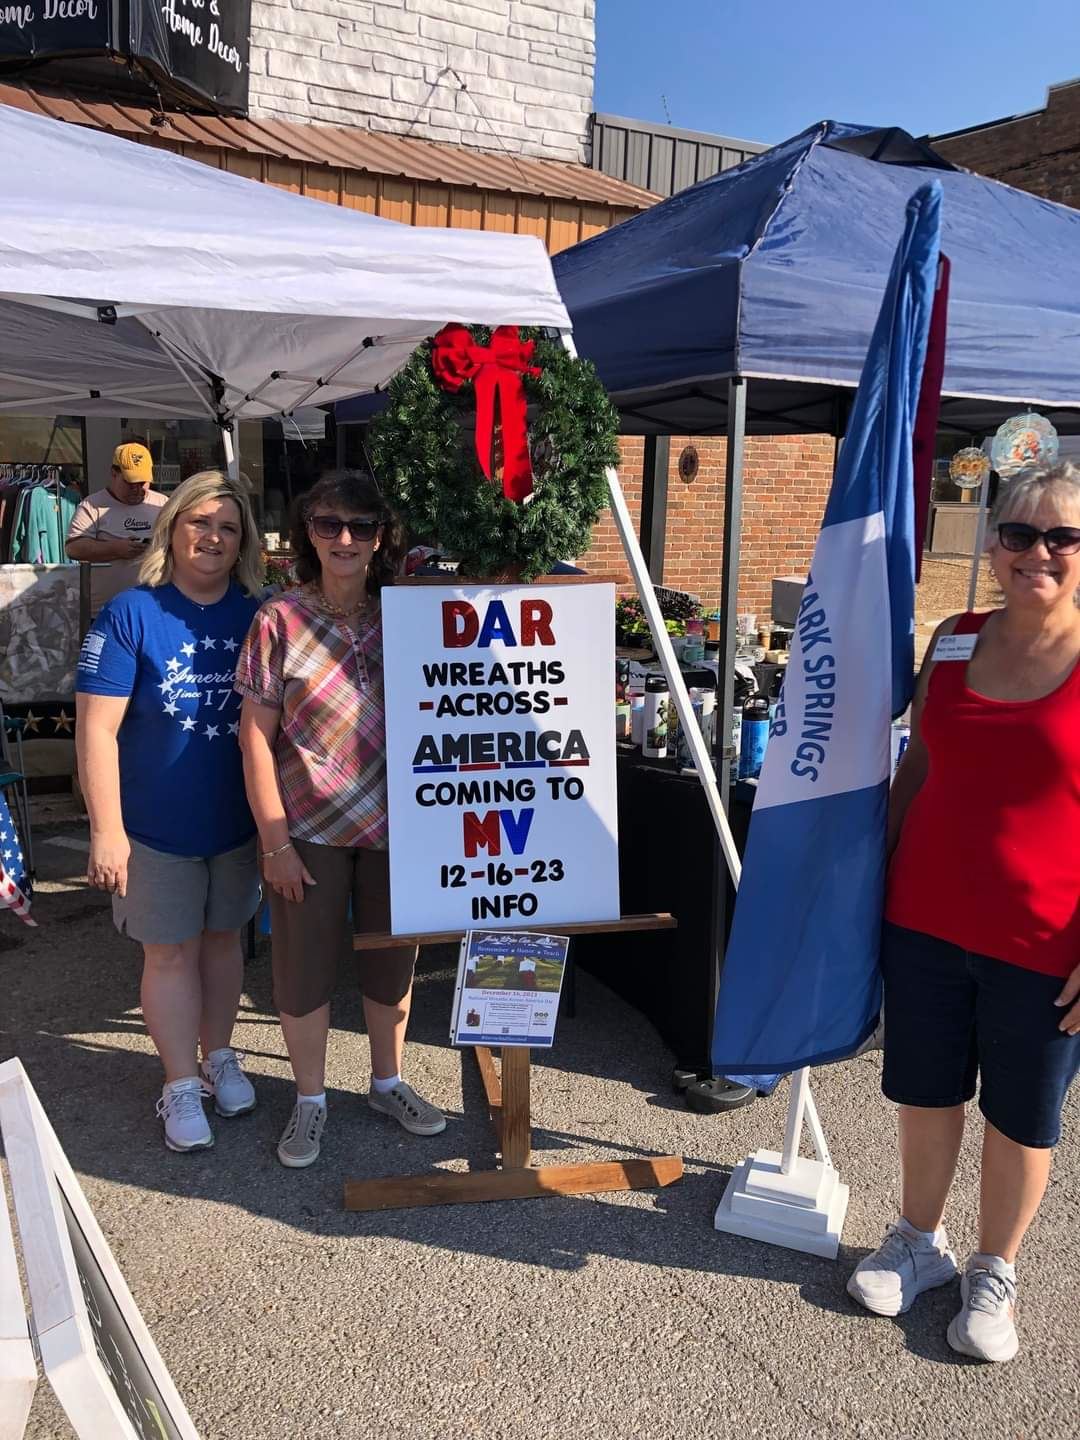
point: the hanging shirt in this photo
(181, 774)
(102, 517)
(989, 852)
(41, 524)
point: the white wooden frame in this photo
(40, 1175)
(18, 1368)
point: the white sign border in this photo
(18, 1367)
(455, 588)
(39, 1171)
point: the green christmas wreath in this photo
(453, 412)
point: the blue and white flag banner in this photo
(800, 984)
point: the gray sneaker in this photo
(889, 1281)
(984, 1328)
(223, 1078)
(299, 1143)
(180, 1110)
(409, 1109)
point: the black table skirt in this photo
(669, 860)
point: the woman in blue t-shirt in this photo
(171, 835)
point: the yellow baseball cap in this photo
(134, 463)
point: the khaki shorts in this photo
(173, 898)
(308, 939)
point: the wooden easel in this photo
(507, 1090)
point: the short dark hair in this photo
(351, 490)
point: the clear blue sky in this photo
(765, 69)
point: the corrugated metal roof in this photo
(662, 157)
(371, 152)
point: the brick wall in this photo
(785, 485)
(1038, 152)
(527, 66)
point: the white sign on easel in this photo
(95, 1349)
(500, 747)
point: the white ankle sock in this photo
(928, 1237)
(383, 1087)
(319, 1099)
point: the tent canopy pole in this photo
(729, 598)
(232, 458)
(980, 539)
(654, 493)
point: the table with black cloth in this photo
(669, 860)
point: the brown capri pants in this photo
(308, 940)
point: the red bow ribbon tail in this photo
(496, 372)
(513, 356)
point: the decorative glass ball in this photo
(1023, 441)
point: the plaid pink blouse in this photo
(331, 744)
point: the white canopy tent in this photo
(135, 280)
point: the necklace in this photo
(336, 612)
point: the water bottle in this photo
(755, 736)
(654, 740)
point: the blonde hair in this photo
(1019, 499)
(157, 567)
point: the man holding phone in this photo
(112, 527)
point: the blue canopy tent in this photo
(774, 272)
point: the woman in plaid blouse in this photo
(313, 735)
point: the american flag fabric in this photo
(15, 885)
(327, 679)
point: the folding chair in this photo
(13, 777)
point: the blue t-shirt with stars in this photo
(181, 775)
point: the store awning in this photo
(136, 281)
(774, 272)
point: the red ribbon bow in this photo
(496, 370)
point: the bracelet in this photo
(269, 854)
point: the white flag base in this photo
(785, 1199)
(802, 1210)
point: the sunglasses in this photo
(329, 527)
(1061, 540)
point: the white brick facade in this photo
(489, 73)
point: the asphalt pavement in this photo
(281, 1315)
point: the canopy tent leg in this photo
(980, 540)
(654, 491)
(232, 456)
(729, 598)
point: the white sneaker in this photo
(984, 1328)
(889, 1281)
(233, 1092)
(181, 1110)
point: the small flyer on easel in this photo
(508, 988)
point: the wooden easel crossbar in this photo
(507, 1090)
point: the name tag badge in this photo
(954, 647)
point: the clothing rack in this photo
(61, 476)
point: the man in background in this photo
(112, 527)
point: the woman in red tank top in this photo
(981, 952)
